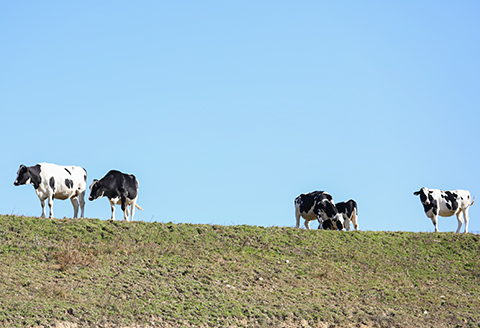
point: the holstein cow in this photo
(317, 205)
(54, 181)
(119, 188)
(350, 213)
(446, 203)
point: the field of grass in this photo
(93, 273)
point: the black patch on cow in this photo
(52, 183)
(328, 208)
(432, 206)
(68, 171)
(450, 200)
(35, 175)
(328, 225)
(423, 197)
(69, 183)
(306, 203)
(339, 225)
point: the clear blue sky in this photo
(227, 110)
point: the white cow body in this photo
(437, 202)
(55, 181)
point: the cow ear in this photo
(416, 193)
(430, 192)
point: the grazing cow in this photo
(119, 188)
(317, 205)
(54, 181)
(350, 213)
(446, 203)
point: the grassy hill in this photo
(89, 273)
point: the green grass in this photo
(92, 272)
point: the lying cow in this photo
(317, 205)
(446, 203)
(54, 181)
(119, 188)
(349, 212)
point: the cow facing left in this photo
(119, 188)
(53, 181)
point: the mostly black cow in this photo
(446, 203)
(55, 182)
(119, 188)
(317, 205)
(350, 213)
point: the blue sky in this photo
(227, 110)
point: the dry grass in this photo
(96, 273)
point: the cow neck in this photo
(35, 178)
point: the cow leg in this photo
(460, 220)
(320, 223)
(133, 209)
(112, 206)
(74, 201)
(42, 201)
(307, 224)
(126, 213)
(124, 205)
(81, 198)
(297, 216)
(434, 219)
(346, 222)
(50, 204)
(467, 218)
(354, 219)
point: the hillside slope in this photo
(91, 273)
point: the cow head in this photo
(23, 176)
(329, 214)
(336, 223)
(424, 193)
(96, 190)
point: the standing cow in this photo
(54, 181)
(119, 188)
(446, 203)
(317, 205)
(350, 213)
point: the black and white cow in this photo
(317, 205)
(446, 203)
(350, 213)
(119, 188)
(54, 181)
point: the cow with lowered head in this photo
(446, 203)
(119, 188)
(318, 205)
(55, 182)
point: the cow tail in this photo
(137, 206)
